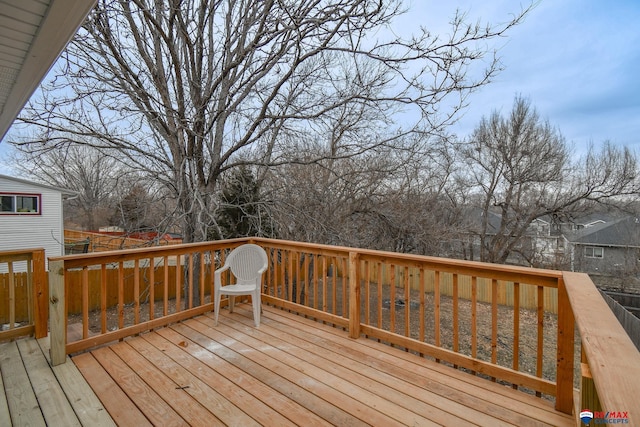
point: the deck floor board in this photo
(21, 398)
(55, 406)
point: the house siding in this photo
(33, 231)
(616, 261)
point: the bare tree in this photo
(187, 89)
(91, 174)
(387, 199)
(519, 169)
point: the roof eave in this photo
(58, 27)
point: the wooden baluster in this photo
(152, 288)
(316, 282)
(380, 280)
(201, 282)
(345, 287)
(540, 349)
(29, 288)
(85, 302)
(421, 332)
(212, 269)
(456, 313)
(290, 275)
(12, 296)
(494, 323)
(165, 286)
(334, 285)
(325, 279)
(297, 276)
(178, 283)
(283, 272)
(392, 298)
(474, 317)
(305, 273)
(516, 329)
(190, 273)
(103, 298)
(436, 309)
(407, 303)
(136, 292)
(367, 292)
(120, 295)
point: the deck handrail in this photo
(35, 292)
(612, 360)
(316, 280)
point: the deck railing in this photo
(23, 294)
(466, 314)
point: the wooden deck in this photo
(291, 371)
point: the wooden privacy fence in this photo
(16, 293)
(119, 285)
(629, 322)
(98, 242)
(23, 294)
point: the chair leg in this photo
(257, 308)
(232, 300)
(216, 307)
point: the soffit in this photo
(33, 33)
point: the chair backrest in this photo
(246, 261)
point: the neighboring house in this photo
(611, 248)
(31, 216)
(563, 224)
(536, 245)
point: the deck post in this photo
(354, 295)
(40, 294)
(57, 312)
(565, 351)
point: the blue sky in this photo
(578, 61)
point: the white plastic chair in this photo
(247, 263)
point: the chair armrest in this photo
(217, 275)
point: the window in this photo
(593, 252)
(19, 204)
